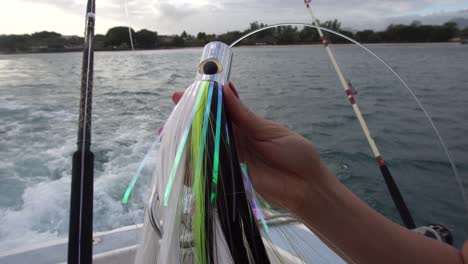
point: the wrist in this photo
(313, 193)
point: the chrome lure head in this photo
(215, 63)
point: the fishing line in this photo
(413, 94)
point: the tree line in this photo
(118, 38)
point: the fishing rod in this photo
(80, 234)
(389, 180)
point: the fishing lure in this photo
(200, 210)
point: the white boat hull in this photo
(119, 246)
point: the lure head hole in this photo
(210, 66)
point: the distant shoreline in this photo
(365, 44)
(263, 46)
(117, 38)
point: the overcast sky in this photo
(217, 16)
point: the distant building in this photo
(462, 40)
(73, 47)
(39, 48)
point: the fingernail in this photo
(233, 89)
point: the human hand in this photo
(283, 165)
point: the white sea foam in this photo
(43, 215)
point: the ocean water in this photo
(296, 86)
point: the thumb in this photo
(246, 120)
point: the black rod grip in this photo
(80, 236)
(397, 198)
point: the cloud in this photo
(216, 16)
(433, 18)
(65, 5)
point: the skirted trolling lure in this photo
(202, 207)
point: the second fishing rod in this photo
(389, 180)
